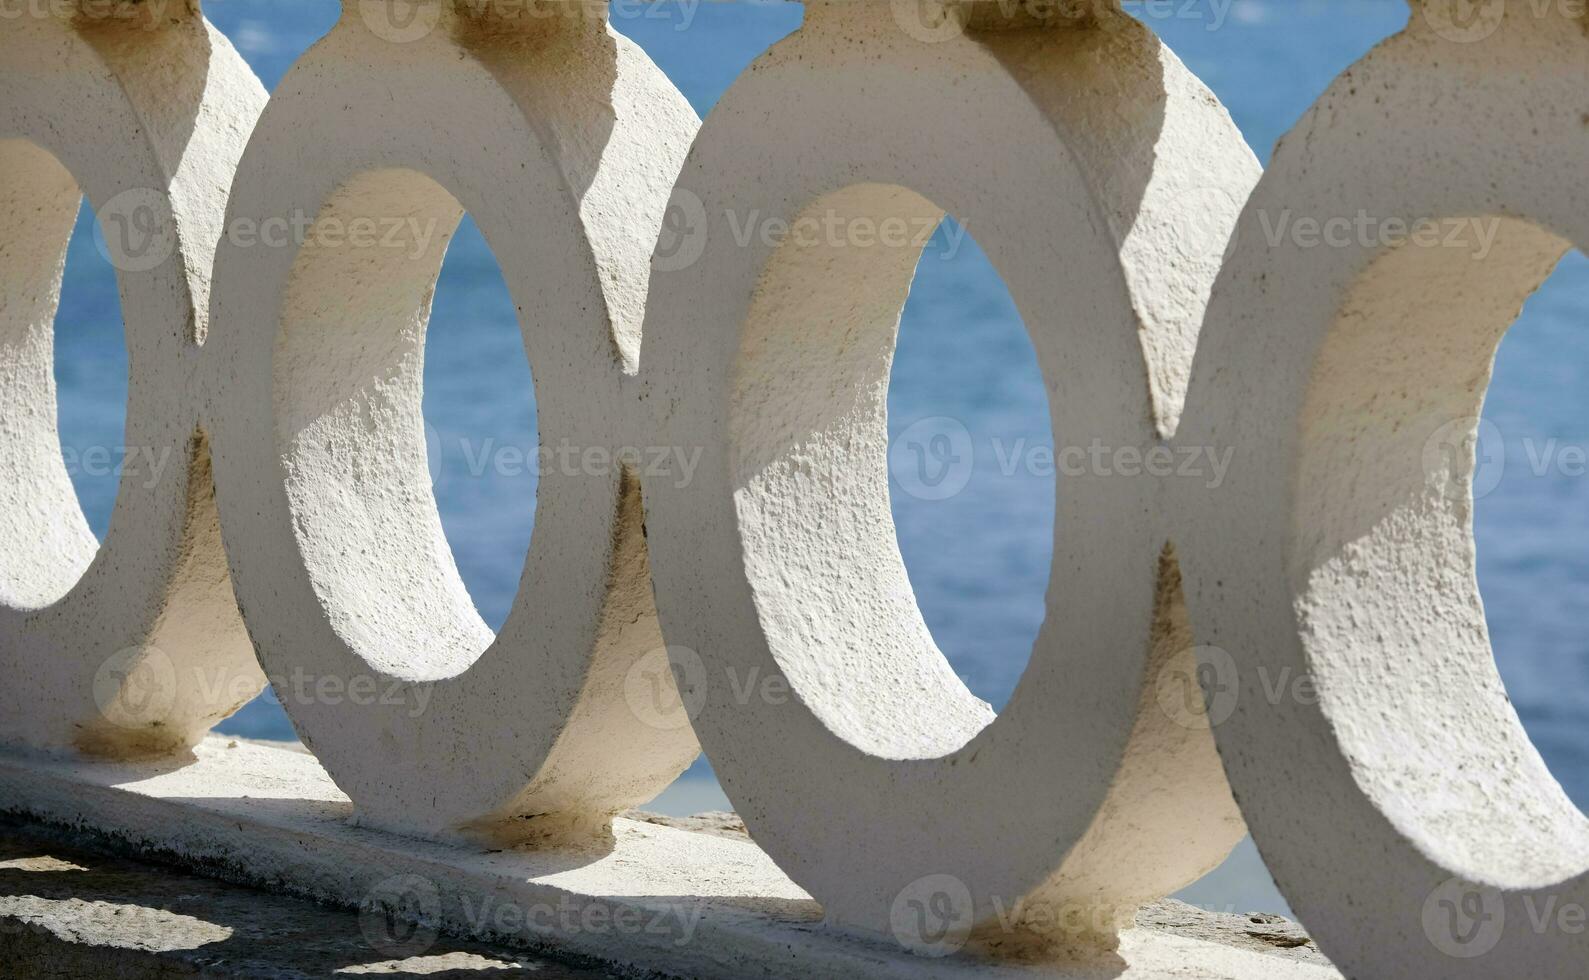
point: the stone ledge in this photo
(696, 904)
(69, 910)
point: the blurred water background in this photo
(979, 560)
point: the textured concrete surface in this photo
(1257, 931)
(136, 647)
(654, 898)
(882, 782)
(1399, 803)
(562, 140)
(68, 910)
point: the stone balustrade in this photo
(1403, 811)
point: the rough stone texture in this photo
(135, 647)
(1347, 379)
(1400, 805)
(652, 898)
(715, 822)
(563, 140)
(69, 910)
(884, 784)
(1257, 931)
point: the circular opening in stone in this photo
(810, 425)
(57, 460)
(971, 464)
(480, 423)
(1383, 557)
(350, 365)
(1531, 520)
(91, 380)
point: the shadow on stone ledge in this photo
(70, 908)
(67, 911)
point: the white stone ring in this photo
(880, 775)
(1403, 811)
(134, 648)
(563, 144)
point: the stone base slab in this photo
(70, 910)
(657, 900)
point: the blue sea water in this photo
(978, 561)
